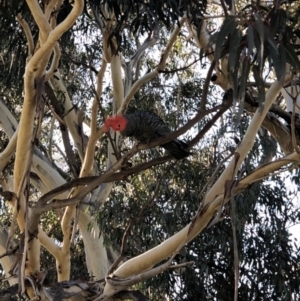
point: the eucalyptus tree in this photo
(80, 202)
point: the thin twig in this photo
(123, 246)
(180, 69)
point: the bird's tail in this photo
(177, 149)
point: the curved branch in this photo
(55, 34)
(155, 72)
(50, 5)
(8, 151)
(54, 63)
(40, 19)
(28, 34)
(149, 42)
(48, 243)
(27, 117)
(95, 133)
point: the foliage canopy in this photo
(83, 204)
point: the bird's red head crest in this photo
(117, 123)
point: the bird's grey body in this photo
(146, 126)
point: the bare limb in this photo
(8, 151)
(50, 6)
(123, 246)
(149, 42)
(235, 246)
(49, 38)
(154, 73)
(54, 63)
(28, 34)
(48, 243)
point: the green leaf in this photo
(278, 60)
(235, 40)
(291, 57)
(260, 84)
(228, 26)
(242, 87)
(250, 39)
(234, 80)
(272, 43)
(259, 26)
(244, 77)
(282, 54)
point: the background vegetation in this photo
(225, 74)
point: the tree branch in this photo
(154, 73)
(28, 34)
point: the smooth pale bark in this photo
(50, 179)
(71, 116)
(97, 262)
(8, 152)
(6, 261)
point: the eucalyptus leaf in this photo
(260, 85)
(228, 26)
(250, 39)
(292, 57)
(234, 45)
